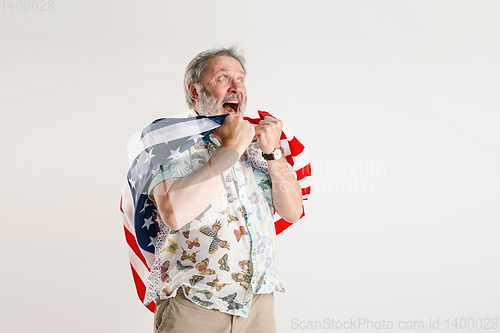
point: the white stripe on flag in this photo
(289, 135)
(128, 208)
(300, 161)
(169, 133)
(128, 222)
(138, 265)
(305, 182)
(285, 146)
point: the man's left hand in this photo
(268, 131)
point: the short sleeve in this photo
(178, 167)
(264, 182)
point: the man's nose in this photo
(234, 87)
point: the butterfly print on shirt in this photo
(215, 283)
(208, 294)
(202, 268)
(191, 256)
(172, 247)
(230, 218)
(244, 278)
(195, 279)
(223, 263)
(202, 302)
(164, 269)
(183, 268)
(216, 242)
(232, 305)
(192, 244)
(239, 232)
(230, 195)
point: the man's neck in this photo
(216, 135)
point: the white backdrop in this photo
(397, 102)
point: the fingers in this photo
(269, 124)
(236, 133)
(268, 131)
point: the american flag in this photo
(159, 143)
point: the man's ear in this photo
(193, 91)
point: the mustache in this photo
(231, 97)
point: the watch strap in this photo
(270, 156)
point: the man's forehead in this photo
(225, 64)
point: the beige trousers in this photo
(179, 315)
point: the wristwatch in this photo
(274, 156)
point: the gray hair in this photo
(197, 66)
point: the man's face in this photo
(223, 88)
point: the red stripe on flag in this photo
(254, 121)
(132, 242)
(295, 146)
(263, 114)
(306, 190)
(121, 201)
(141, 289)
(151, 306)
(304, 172)
(281, 225)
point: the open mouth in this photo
(231, 106)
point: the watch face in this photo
(277, 154)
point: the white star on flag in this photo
(175, 152)
(195, 137)
(145, 205)
(149, 156)
(148, 222)
(153, 240)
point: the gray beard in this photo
(210, 107)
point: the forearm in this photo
(286, 192)
(180, 200)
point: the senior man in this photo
(215, 268)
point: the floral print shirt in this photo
(228, 252)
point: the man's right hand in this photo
(236, 133)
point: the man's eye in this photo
(239, 80)
(223, 79)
